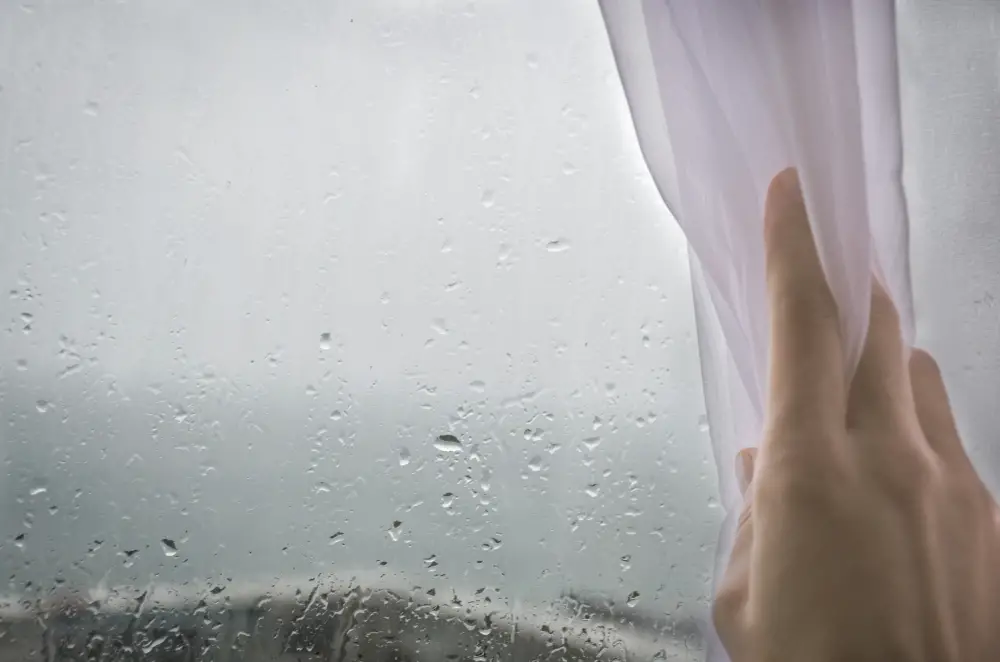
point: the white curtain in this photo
(725, 94)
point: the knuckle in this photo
(810, 482)
(968, 495)
(903, 474)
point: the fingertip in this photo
(785, 182)
(923, 364)
(784, 195)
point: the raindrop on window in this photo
(448, 443)
(169, 547)
(394, 530)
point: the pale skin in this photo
(867, 533)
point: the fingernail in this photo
(744, 469)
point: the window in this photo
(326, 320)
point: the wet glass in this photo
(340, 325)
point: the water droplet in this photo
(169, 547)
(404, 456)
(569, 169)
(27, 319)
(592, 442)
(492, 544)
(447, 499)
(478, 386)
(632, 599)
(532, 60)
(448, 443)
(323, 488)
(593, 490)
(38, 489)
(336, 415)
(439, 326)
(487, 200)
(431, 561)
(42, 406)
(557, 246)
(91, 108)
(22, 365)
(475, 92)
(394, 531)
(324, 341)
(337, 537)
(703, 423)
(535, 463)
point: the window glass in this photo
(368, 295)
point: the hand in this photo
(867, 534)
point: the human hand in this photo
(866, 534)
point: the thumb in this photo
(745, 461)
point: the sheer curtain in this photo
(725, 94)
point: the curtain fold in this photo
(726, 93)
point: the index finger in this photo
(807, 382)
